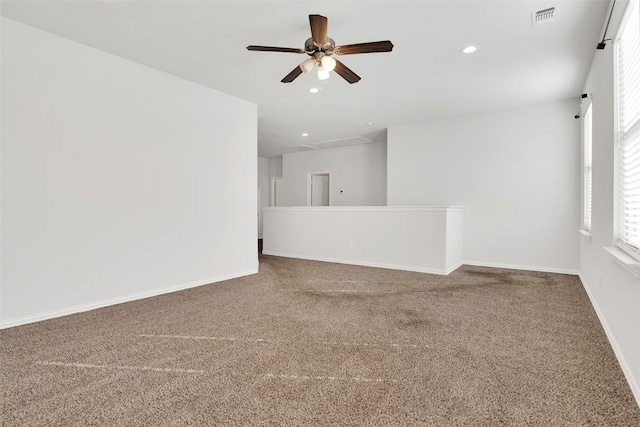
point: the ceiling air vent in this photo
(543, 16)
(334, 143)
(301, 147)
(344, 142)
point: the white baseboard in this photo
(419, 269)
(453, 268)
(38, 317)
(523, 267)
(633, 382)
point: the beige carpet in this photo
(310, 343)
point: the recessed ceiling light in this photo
(469, 49)
(305, 134)
(314, 90)
(371, 123)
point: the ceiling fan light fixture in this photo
(328, 63)
(307, 65)
(323, 74)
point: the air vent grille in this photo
(543, 16)
(344, 142)
(334, 143)
(301, 147)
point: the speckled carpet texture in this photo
(307, 343)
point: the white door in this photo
(319, 189)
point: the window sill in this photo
(586, 234)
(630, 264)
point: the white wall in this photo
(118, 181)
(275, 167)
(358, 174)
(614, 292)
(516, 171)
(424, 239)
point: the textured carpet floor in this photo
(311, 343)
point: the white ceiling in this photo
(424, 77)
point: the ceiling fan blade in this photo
(346, 73)
(371, 47)
(292, 75)
(274, 49)
(318, 29)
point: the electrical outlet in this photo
(350, 244)
(492, 246)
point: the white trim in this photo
(541, 269)
(370, 208)
(437, 271)
(628, 373)
(52, 314)
(624, 217)
(587, 167)
(631, 264)
(586, 234)
(440, 272)
(273, 194)
(309, 175)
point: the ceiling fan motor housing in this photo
(311, 49)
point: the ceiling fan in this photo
(320, 48)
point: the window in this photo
(588, 169)
(628, 92)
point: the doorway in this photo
(276, 191)
(318, 186)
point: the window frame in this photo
(631, 246)
(587, 168)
